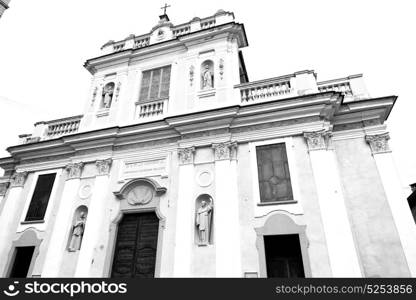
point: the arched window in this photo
(207, 75)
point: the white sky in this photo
(43, 45)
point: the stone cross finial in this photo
(164, 8)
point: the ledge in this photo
(32, 222)
(277, 202)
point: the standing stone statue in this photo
(207, 78)
(77, 233)
(108, 95)
(203, 222)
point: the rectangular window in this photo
(273, 173)
(21, 262)
(155, 84)
(40, 198)
(283, 256)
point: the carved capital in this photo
(18, 179)
(74, 170)
(103, 166)
(378, 143)
(224, 150)
(186, 155)
(317, 140)
(3, 188)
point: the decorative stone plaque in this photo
(144, 168)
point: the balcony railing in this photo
(63, 126)
(343, 87)
(265, 90)
(152, 109)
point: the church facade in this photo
(180, 166)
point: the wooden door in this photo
(136, 245)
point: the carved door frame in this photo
(280, 223)
(127, 208)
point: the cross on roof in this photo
(164, 8)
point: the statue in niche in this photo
(77, 233)
(207, 77)
(203, 222)
(107, 95)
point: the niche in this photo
(77, 229)
(207, 75)
(107, 95)
(204, 209)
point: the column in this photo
(397, 200)
(343, 256)
(95, 219)
(59, 238)
(8, 216)
(184, 214)
(226, 211)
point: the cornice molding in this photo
(232, 119)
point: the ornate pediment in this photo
(140, 191)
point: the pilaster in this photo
(9, 214)
(397, 200)
(185, 214)
(59, 238)
(343, 256)
(95, 219)
(226, 211)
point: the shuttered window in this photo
(273, 173)
(155, 84)
(40, 198)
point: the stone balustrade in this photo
(343, 87)
(52, 129)
(63, 126)
(152, 109)
(263, 90)
(181, 30)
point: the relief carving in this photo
(221, 67)
(191, 74)
(186, 155)
(103, 166)
(317, 140)
(74, 170)
(378, 143)
(140, 195)
(224, 150)
(18, 179)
